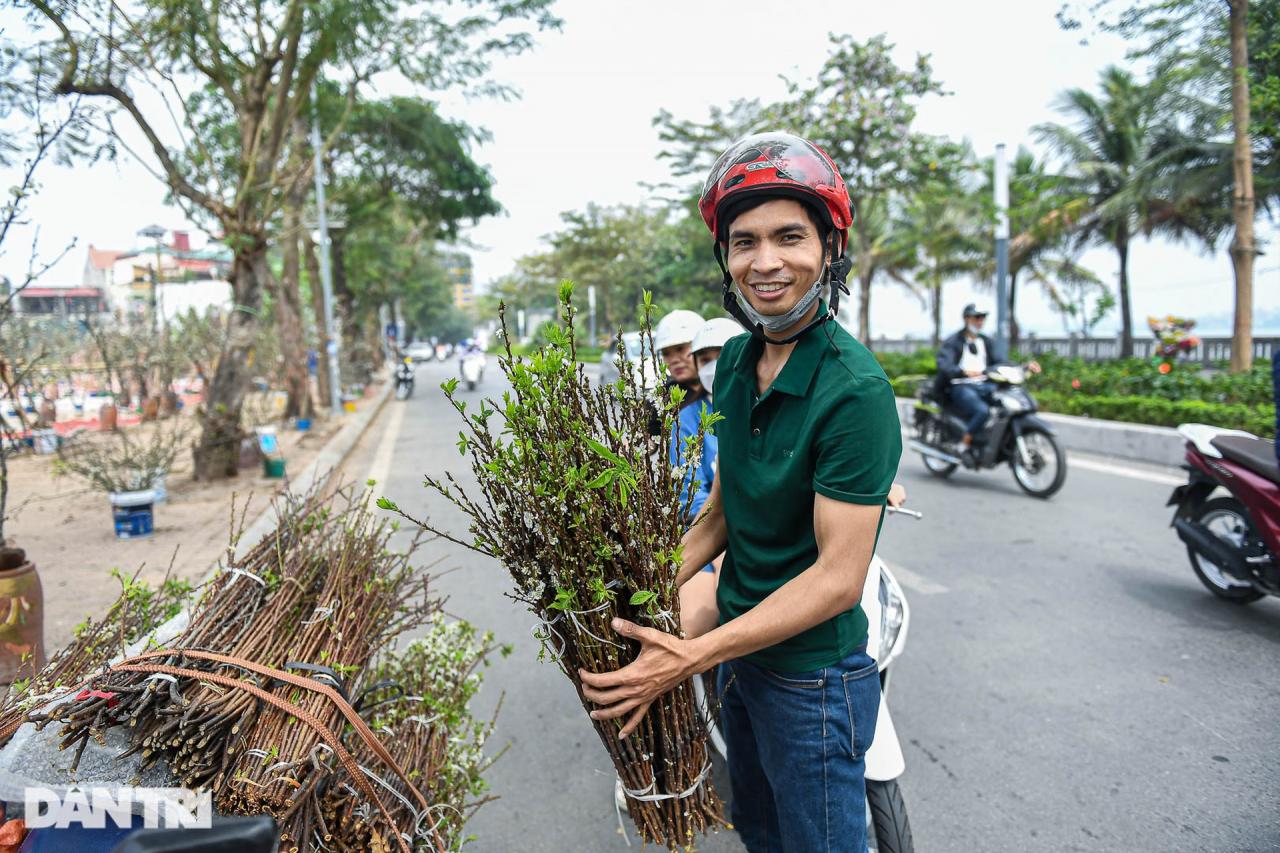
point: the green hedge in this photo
(1157, 411)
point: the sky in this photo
(581, 132)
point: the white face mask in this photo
(972, 329)
(707, 375)
(782, 322)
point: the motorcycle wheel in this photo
(471, 386)
(1045, 452)
(889, 824)
(1226, 518)
(930, 434)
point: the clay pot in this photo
(107, 417)
(21, 616)
(150, 408)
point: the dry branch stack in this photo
(274, 695)
(578, 500)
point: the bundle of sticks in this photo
(579, 502)
(271, 696)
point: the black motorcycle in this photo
(404, 379)
(1013, 433)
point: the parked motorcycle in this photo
(1228, 512)
(404, 379)
(1013, 432)
(472, 369)
(888, 618)
(257, 834)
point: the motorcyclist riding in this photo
(963, 362)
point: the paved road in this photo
(1067, 684)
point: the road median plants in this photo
(1132, 390)
(577, 500)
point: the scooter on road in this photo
(404, 379)
(1013, 433)
(472, 369)
(1228, 512)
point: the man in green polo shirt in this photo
(809, 445)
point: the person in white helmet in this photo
(672, 338)
(698, 613)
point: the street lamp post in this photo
(326, 271)
(1002, 247)
(155, 233)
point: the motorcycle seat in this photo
(1256, 454)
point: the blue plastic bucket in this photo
(133, 513)
(304, 424)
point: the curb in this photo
(1154, 445)
(315, 475)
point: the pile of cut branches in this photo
(274, 695)
(579, 502)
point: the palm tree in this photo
(944, 224)
(1042, 209)
(1115, 135)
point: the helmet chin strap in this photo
(759, 325)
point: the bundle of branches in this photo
(580, 504)
(138, 609)
(260, 699)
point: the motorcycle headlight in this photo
(891, 615)
(1012, 402)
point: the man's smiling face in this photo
(775, 254)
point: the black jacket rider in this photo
(949, 360)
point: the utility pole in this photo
(326, 270)
(154, 233)
(1002, 247)
(591, 309)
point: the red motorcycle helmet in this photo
(776, 164)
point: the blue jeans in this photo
(973, 402)
(796, 744)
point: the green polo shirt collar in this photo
(797, 374)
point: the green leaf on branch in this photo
(601, 450)
(564, 600)
(449, 385)
(388, 504)
(642, 597)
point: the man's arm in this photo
(845, 533)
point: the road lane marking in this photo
(381, 467)
(1120, 470)
(1098, 466)
(913, 581)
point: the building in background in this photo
(188, 279)
(457, 266)
(61, 301)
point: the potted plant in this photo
(21, 600)
(130, 470)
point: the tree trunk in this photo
(1126, 317)
(936, 290)
(217, 453)
(289, 311)
(344, 309)
(1242, 246)
(864, 306)
(317, 311)
(1014, 331)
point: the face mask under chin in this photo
(782, 322)
(972, 329)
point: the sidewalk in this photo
(67, 530)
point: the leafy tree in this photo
(1115, 137)
(254, 67)
(1218, 35)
